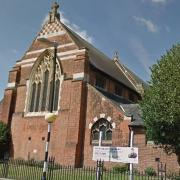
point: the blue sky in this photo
(140, 30)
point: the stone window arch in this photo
(101, 125)
(40, 85)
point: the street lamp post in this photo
(50, 117)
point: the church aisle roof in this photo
(131, 109)
(104, 63)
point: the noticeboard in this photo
(116, 154)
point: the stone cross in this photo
(54, 8)
(54, 12)
(116, 56)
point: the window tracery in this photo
(40, 87)
(105, 127)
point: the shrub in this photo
(149, 171)
(4, 139)
(120, 168)
(177, 177)
(135, 171)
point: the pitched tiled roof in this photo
(97, 58)
(104, 63)
(130, 108)
(134, 111)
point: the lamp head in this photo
(50, 117)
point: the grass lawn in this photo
(26, 172)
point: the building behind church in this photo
(92, 93)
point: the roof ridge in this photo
(82, 43)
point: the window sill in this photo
(104, 142)
(38, 114)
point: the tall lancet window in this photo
(40, 85)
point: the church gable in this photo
(53, 30)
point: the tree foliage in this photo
(4, 135)
(161, 102)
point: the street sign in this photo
(116, 154)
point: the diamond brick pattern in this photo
(51, 28)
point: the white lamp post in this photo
(49, 117)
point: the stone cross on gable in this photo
(54, 8)
(54, 12)
(116, 56)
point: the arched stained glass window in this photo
(31, 109)
(45, 90)
(105, 127)
(109, 135)
(56, 95)
(40, 86)
(50, 96)
(38, 97)
(95, 135)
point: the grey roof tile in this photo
(131, 109)
(104, 63)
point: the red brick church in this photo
(92, 92)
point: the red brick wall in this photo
(96, 105)
(148, 153)
(66, 140)
(7, 105)
(110, 86)
(1, 104)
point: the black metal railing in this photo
(32, 170)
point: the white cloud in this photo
(15, 51)
(159, 1)
(76, 28)
(147, 23)
(46, 18)
(167, 28)
(81, 32)
(141, 54)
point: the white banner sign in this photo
(116, 154)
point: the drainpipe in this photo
(131, 145)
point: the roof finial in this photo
(116, 56)
(54, 12)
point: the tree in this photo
(4, 138)
(161, 102)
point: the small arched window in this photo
(40, 86)
(105, 127)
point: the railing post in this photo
(165, 171)
(158, 169)
(99, 170)
(51, 167)
(102, 168)
(6, 168)
(161, 171)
